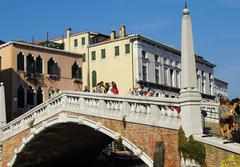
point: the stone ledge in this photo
(218, 142)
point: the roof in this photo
(39, 47)
(221, 81)
(199, 59)
(78, 33)
(2, 42)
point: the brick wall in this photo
(10, 144)
(216, 157)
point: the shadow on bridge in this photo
(64, 144)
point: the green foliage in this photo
(30, 123)
(190, 148)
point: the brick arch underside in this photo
(141, 139)
(64, 144)
(54, 140)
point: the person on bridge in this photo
(114, 88)
(224, 119)
(235, 112)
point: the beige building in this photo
(134, 59)
(32, 74)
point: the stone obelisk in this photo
(189, 95)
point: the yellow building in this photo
(134, 59)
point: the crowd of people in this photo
(139, 91)
(101, 87)
(111, 88)
(229, 119)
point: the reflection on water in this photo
(108, 161)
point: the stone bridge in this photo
(85, 123)
(74, 126)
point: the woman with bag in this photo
(224, 119)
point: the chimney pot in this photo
(113, 35)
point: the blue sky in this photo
(216, 25)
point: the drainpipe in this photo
(131, 41)
(88, 63)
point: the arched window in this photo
(20, 62)
(76, 71)
(94, 78)
(30, 66)
(30, 96)
(20, 97)
(52, 67)
(39, 96)
(39, 65)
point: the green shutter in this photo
(83, 57)
(103, 53)
(127, 48)
(116, 50)
(94, 78)
(93, 55)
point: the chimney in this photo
(122, 31)
(68, 41)
(69, 31)
(113, 35)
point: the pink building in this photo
(32, 74)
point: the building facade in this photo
(220, 88)
(32, 74)
(134, 59)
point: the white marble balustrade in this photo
(212, 111)
(142, 110)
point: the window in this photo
(30, 66)
(144, 72)
(20, 97)
(116, 50)
(93, 55)
(103, 53)
(39, 65)
(177, 79)
(165, 75)
(165, 61)
(75, 42)
(210, 76)
(171, 78)
(156, 58)
(39, 96)
(52, 67)
(84, 57)
(177, 64)
(20, 62)
(144, 54)
(171, 63)
(76, 71)
(83, 40)
(157, 76)
(203, 86)
(127, 48)
(94, 78)
(30, 96)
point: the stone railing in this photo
(161, 112)
(212, 111)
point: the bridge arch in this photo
(66, 118)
